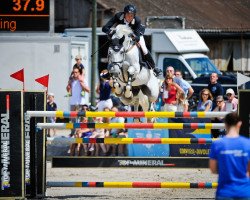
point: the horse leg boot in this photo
(128, 90)
(151, 63)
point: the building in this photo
(224, 25)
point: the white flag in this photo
(241, 79)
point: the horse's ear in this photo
(122, 40)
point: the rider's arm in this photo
(110, 23)
(138, 28)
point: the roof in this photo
(207, 15)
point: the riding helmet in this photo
(130, 9)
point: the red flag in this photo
(44, 80)
(18, 75)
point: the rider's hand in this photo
(110, 34)
(134, 37)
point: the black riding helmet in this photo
(130, 9)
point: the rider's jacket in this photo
(135, 24)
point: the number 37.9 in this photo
(20, 5)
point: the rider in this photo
(128, 17)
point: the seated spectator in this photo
(169, 93)
(232, 102)
(205, 103)
(117, 133)
(98, 133)
(181, 102)
(76, 148)
(221, 107)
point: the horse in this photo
(133, 83)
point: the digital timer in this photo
(24, 15)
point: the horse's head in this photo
(116, 53)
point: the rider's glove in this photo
(110, 34)
(134, 37)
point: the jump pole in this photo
(73, 114)
(132, 125)
(134, 140)
(203, 185)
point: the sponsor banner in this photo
(159, 150)
(244, 112)
(35, 162)
(83, 162)
(189, 150)
(11, 141)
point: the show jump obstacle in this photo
(23, 161)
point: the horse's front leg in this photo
(128, 90)
(117, 87)
(136, 109)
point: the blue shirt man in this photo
(230, 158)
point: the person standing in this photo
(104, 90)
(170, 89)
(79, 65)
(77, 85)
(51, 106)
(188, 90)
(230, 159)
(215, 88)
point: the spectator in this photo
(221, 107)
(81, 133)
(51, 106)
(215, 88)
(117, 133)
(98, 133)
(169, 93)
(232, 102)
(77, 85)
(230, 159)
(79, 65)
(205, 102)
(188, 90)
(181, 102)
(104, 89)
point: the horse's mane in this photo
(123, 30)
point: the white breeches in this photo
(143, 45)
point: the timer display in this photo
(24, 15)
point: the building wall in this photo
(39, 57)
(230, 54)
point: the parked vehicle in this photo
(184, 50)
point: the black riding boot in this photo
(151, 63)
